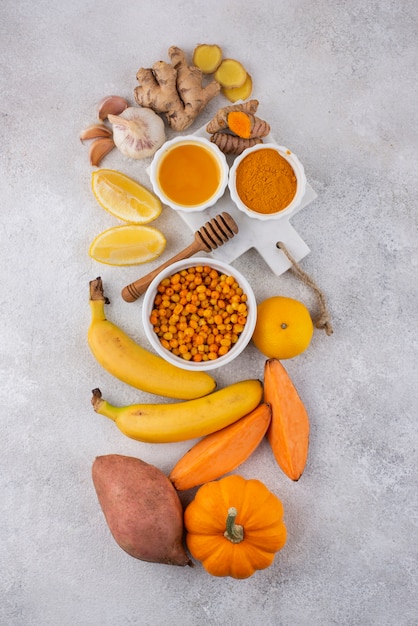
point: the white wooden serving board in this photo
(257, 234)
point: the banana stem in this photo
(97, 300)
(102, 407)
(96, 290)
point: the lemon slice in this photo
(124, 198)
(130, 244)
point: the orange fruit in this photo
(283, 329)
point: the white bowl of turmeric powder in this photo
(267, 181)
(199, 313)
(189, 173)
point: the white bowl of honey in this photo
(189, 173)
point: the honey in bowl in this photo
(189, 174)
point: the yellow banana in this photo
(164, 423)
(125, 359)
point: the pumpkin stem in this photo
(234, 532)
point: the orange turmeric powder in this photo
(265, 181)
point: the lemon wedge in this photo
(130, 244)
(124, 198)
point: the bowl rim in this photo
(295, 163)
(219, 155)
(245, 336)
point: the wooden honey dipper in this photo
(210, 236)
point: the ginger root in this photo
(175, 89)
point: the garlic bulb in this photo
(138, 132)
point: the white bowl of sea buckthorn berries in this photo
(199, 313)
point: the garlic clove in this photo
(99, 149)
(111, 104)
(138, 132)
(94, 131)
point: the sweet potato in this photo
(222, 451)
(288, 433)
(141, 507)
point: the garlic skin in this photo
(138, 132)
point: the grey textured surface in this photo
(338, 84)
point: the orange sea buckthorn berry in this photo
(199, 312)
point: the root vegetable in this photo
(222, 451)
(207, 57)
(235, 128)
(220, 120)
(233, 94)
(231, 144)
(288, 432)
(240, 123)
(231, 74)
(175, 90)
(247, 125)
(142, 509)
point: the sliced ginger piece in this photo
(239, 93)
(207, 57)
(231, 74)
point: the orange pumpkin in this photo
(234, 526)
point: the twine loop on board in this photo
(323, 321)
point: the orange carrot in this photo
(288, 433)
(222, 451)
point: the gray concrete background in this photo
(338, 83)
